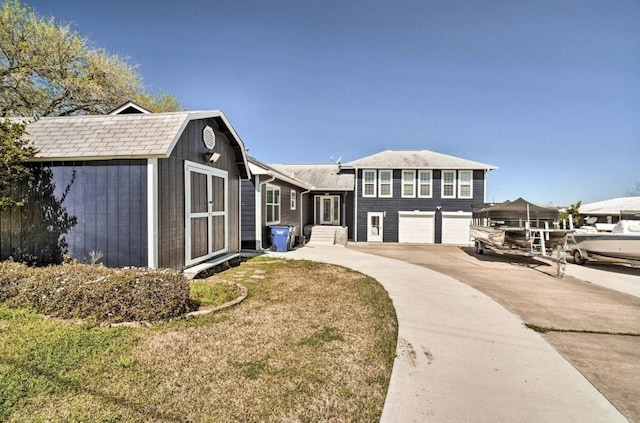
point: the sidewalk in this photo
(462, 357)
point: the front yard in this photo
(312, 342)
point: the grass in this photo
(311, 343)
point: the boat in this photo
(518, 226)
(619, 245)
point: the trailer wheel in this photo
(479, 249)
(577, 257)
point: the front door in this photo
(374, 227)
(327, 210)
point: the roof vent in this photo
(209, 137)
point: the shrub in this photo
(94, 292)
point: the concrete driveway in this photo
(461, 356)
(596, 328)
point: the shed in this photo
(144, 190)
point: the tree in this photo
(572, 211)
(14, 153)
(158, 103)
(633, 192)
(48, 69)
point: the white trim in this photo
(470, 172)
(375, 183)
(355, 211)
(152, 213)
(416, 213)
(418, 190)
(380, 236)
(133, 106)
(442, 184)
(258, 212)
(390, 183)
(293, 200)
(457, 213)
(413, 186)
(279, 204)
(209, 214)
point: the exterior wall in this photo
(395, 204)
(287, 216)
(98, 206)
(171, 186)
(248, 214)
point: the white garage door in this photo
(416, 227)
(455, 228)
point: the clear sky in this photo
(548, 91)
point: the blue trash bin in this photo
(280, 238)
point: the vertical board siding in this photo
(393, 205)
(107, 201)
(248, 214)
(171, 197)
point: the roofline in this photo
(92, 158)
(268, 170)
(191, 116)
(487, 168)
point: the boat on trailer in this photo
(520, 228)
(621, 245)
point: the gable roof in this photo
(259, 168)
(129, 107)
(101, 137)
(320, 176)
(611, 207)
(416, 159)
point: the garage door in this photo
(416, 227)
(455, 228)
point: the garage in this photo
(416, 227)
(455, 227)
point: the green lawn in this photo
(312, 342)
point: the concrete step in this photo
(323, 235)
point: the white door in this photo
(206, 218)
(327, 210)
(416, 227)
(455, 227)
(374, 227)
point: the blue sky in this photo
(548, 91)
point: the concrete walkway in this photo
(461, 357)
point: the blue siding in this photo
(248, 214)
(393, 205)
(98, 206)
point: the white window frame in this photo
(453, 184)
(420, 183)
(274, 188)
(381, 183)
(293, 202)
(365, 183)
(413, 184)
(461, 184)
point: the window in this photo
(424, 183)
(408, 183)
(273, 204)
(465, 184)
(385, 183)
(448, 184)
(368, 183)
(293, 202)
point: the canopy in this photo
(517, 209)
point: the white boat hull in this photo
(609, 245)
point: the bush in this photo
(83, 291)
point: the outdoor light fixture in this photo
(214, 157)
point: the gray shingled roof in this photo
(113, 136)
(259, 168)
(416, 159)
(320, 177)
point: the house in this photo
(393, 196)
(416, 196)
(143, 189)
(608, 212)
(270, 198)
